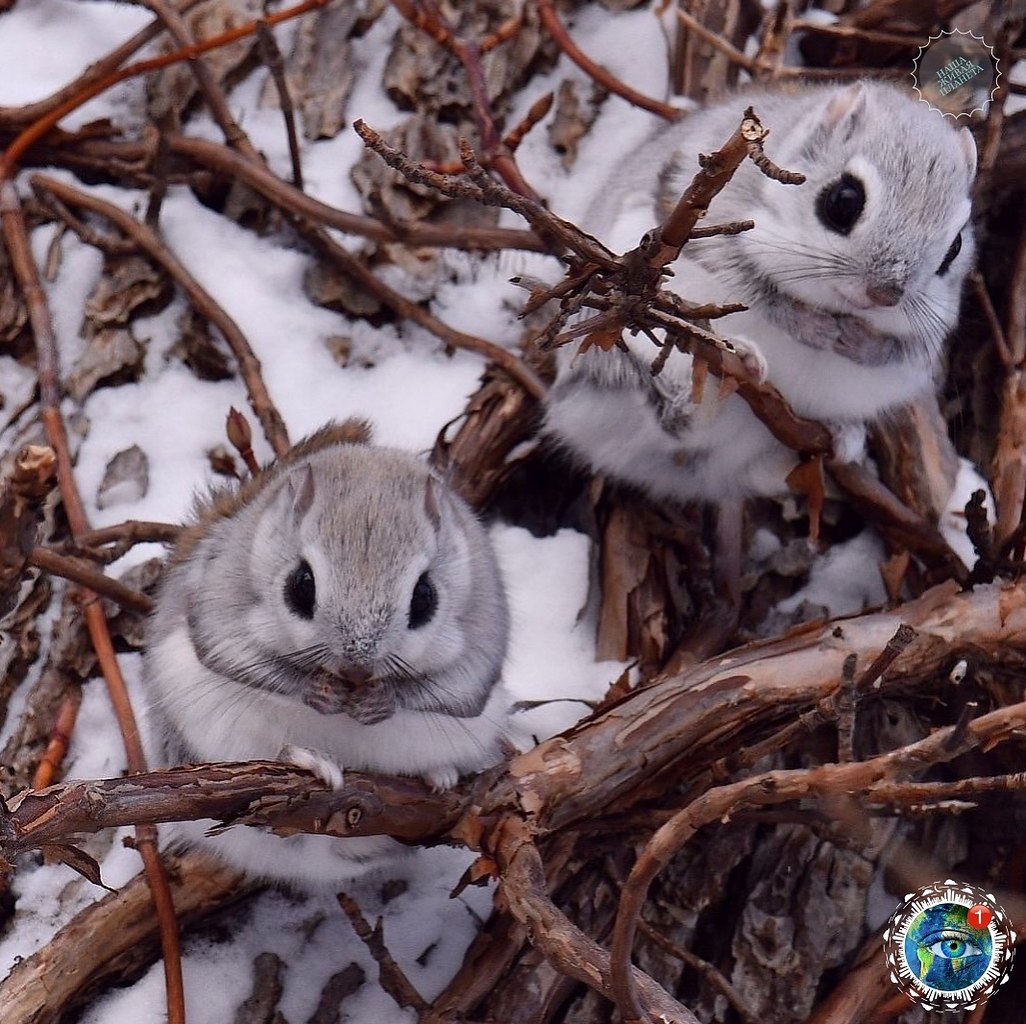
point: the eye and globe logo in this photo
(949, 946)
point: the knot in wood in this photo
(356, 814)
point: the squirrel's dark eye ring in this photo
(301, 590)
(423, 602)
(840, 205)
(949, 257)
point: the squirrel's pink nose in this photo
(884, 294)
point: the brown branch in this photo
(556, 29)
(603, 765)
(427, 16)
(855, 32)
(390, 974)
(774, 787)
(60, 737)
(110, 543)
(208, 84)
(904, 526)
(43, 125)
(96, 73)
(93, 948)
(276, 65)
(410, 310)
(672, 731)
(759, 68)
(997, 332)
(265, 793)
(908, 796)
(148, 241)
(510, 141)
(27, 274)
(225, 161)
(703, 967)
(78, 572)
(564, 945)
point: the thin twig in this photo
(208, 84)
(390, 974)
(60, 736)
(428, 16)
(225, 161)
(704, 968)
(511, 140)
(271, 53)
(409, 310)
(997, 332)
(897, 645)
(27, 274)
(556, 29)
(110, 543)
(249, 366)
(854, 32)
(74, 570)
(43, 125)
(97, 72)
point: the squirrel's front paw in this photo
(323, 767)
(751, 358)
(441, 779)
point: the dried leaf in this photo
(13, 311)
(172, 90)
(113, 356)
(604, 339)
(78, 861)
(327, 285)
(807, 478)
(129, 286)
(422, 138)
(319, 71)
(126, 478)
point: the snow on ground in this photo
(410, 390)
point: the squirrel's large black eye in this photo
(424, 601)
(953, 250)
(839, 205)
(301, 590)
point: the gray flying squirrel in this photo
(342, 609)
(853, 281)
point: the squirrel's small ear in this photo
(299, 487)
(967, 144)
(844, 109)
(433, 499)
